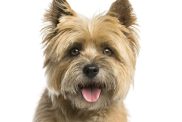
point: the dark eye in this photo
(75, 51)
(107, 51)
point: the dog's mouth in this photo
(91, 92)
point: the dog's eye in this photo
(107, 51)
(75, 51)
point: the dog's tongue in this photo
(91, 94)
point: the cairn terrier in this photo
(89, 64)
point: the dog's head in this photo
(90, 62)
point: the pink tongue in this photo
(91, 94)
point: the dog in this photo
(89, 64)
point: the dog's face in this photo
(89, 62)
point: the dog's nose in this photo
(91, 70)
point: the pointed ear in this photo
(58, 9)
(123, 11)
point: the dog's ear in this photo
(123, 11)
(58, 9)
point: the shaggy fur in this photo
(107, 41)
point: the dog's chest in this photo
(83, 119)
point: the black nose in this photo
(91, 70)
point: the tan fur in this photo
(62, 101)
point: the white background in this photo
(157, 93)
